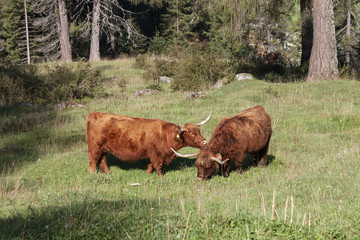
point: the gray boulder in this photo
(165, 79)
(146, 92)
(244, 76)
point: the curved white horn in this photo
(219, 160)
(203, 122)
(184, 155)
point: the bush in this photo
(161, 67)
(141, 62)
(19, 84)
(198, 68)
(66, 83)
(25, 83)
(194, 69)
(155, 86)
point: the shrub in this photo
(25, 83)
(194, 69)
(65, 82)
(154, 86)
(198, 68)
(161, 67)
(19, 84)
(141, 62)
(122, 85)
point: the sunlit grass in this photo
(308, 191)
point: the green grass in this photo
(310, 190)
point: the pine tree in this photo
(52, 40)
(347, 14)
(14, 31)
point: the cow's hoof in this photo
(107, 171)
(92, 170)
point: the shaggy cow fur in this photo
(130, 139)
(233, 138)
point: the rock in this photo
(165, 79)
(219, 84)
(195, 95)
(26, 104)
(61, 105)
(145, 92)
(75, 105)
(244, 76)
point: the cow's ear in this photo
(218, 156)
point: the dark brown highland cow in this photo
(131, 139)
(233, 138)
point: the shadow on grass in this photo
(27, 132)
(89, 219)
(115, 162)
(248, 163)
(175, 165)
(135, 218)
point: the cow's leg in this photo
(156, 160)
(254, 158)
(239, 168)
(94, 157)
(149, 167)
(157, 165)
(239, 159)
(225, 169)
(103, 166)
(262, 154)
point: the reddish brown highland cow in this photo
(233, 138)
(131, 139)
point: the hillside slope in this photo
(309, 189)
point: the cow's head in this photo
(208, 163)
(190, 134)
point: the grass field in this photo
(309, 190)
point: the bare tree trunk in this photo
(112, 44)
(65, 46)
(268, 38)
(27, 35)
(177, 17)
(177, 23)
(323, 60)
(95, 33)
(348, 31)
(306, 30)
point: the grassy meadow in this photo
(309, 190)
